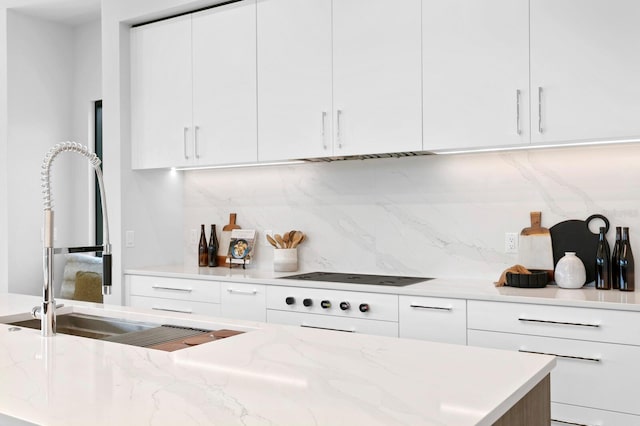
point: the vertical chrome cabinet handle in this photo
(539, 109)
(184, 142)
(338, 125)
(324, 124)
(195, 141)
(518, 130)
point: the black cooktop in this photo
(337, 277)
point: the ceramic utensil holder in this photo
(570, 271)
(285, 260)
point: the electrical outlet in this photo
(510, 242)
(129, 239)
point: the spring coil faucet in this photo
(46, 312)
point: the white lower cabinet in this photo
(563, 415)
(173, 294)
(173, 305)
(594, 380)
(334, 323)
(432, 318)
(243, 301)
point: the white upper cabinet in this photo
(193, 89)
(294, 79)
(224, 84)
(475, 73)
(341, 79)
(377, 76)
(161, 93)
(585, 65)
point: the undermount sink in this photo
(154, 336)
(91, 326)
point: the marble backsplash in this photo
(439, 216)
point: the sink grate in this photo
(155, 336)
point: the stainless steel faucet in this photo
(47, 312)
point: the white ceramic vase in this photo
(570, 272)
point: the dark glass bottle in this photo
(615, 260)
(627, 272)
(203, 257)
(603, 262)
(213, 247)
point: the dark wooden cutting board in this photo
(575, 235)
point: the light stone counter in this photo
(270, 375)
(454, 288)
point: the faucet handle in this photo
(36, 311)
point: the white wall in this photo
(39, 61)
(4, 204)
(53, 72)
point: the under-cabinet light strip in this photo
(531, 147)
(233, 166)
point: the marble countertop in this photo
(439, 287)
(272, 374)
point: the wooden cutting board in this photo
(535, 250)
(225, 239)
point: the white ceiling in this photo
(67, 12)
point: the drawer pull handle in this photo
(581, 358)
(439, 308)
(564, 422)
(579, 324)
(159, 287)
(182, 311)
(251, 292)
(326, 328)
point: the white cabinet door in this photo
(179, 306)
(332, 323)
(377, 76)
(224, 84)
(585, 62)
(587, 374)
(244, 301)
(475, 73)
(434, 319)
(161, 116)
(294, 79)
(565, 414)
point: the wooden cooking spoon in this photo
(280, 241)
(297, 239)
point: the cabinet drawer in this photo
(600, 325)
(563, 415)
(435, 319)
(243, 301)
(338, 324)
(174, 288)
(589, 374)
(180, 306)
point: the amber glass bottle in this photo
(615, 260)
(603, 262)
(213, 247)
(203, 257)
(627, 270)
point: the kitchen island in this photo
(271, 374)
